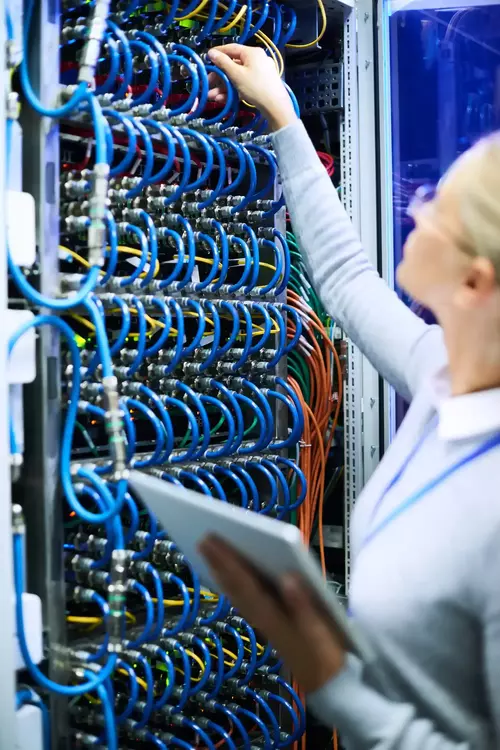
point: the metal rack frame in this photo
(39, 491)
(7, 663)
(362, 406)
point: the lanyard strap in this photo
(429, 428)
(485, 447)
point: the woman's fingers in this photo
(235, 51)
(215, 94)
(311, 619)
(245, 590)
(291, 620)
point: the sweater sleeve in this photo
(369, 721)
(400, 345)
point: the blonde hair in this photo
(476, 177)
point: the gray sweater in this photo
(426, 589)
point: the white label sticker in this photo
(21, 227)
(22, 361)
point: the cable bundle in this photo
(313, 366)
(174, 323)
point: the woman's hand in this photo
(255, 76)
(302, 635)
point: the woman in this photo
(426, 532)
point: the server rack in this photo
(45, 571)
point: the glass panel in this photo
(444, 82)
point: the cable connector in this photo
(92, 49)
(97, 211)
(114, 427)
(18, 524)
(16, 462)
(116, 600)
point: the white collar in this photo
(469, 416)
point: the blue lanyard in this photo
(485, 447)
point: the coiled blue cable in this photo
(202, 93)
(254, 492)
(109, 715)
(81, 91)
(134, 518)
(165, 66)
(166, 319)
(128, 63)
(114, 66)
(149, 680)
(235, 329)
(164, 416)
(133, 694)
(164, 234)
(140, 463)
(282, 510)
(194, 72)
(169, 140)
(300, 477)
(234, 721)
(36, 673)
(141, 340)
(268, 324)
(170, 681)
(225, 450)
(184, 615)
(197, 307)
(200, 484)
(296, 732)
(185, 692)
(148, 162)
(144, 247)
(154, 71)
(224, 471)
(242, 165)
(139, 589)
(192, 450)
(261, 442)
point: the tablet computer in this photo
(273, 547)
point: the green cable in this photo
(248, 429)
(87, 438)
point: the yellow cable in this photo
(260, 647)
(241, 262)
(76, 256)
(199, 259)
(140, 681)
(197, 659)
(91, 698)
(205, 593)
(235, 20)
(226, 651)
(121, 249)
(321, 33)
(84, 620)
(83, 321)
(193, 12)
(138, 253)
(274, 51)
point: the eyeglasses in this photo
(422, 196)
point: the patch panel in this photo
(171, 324)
